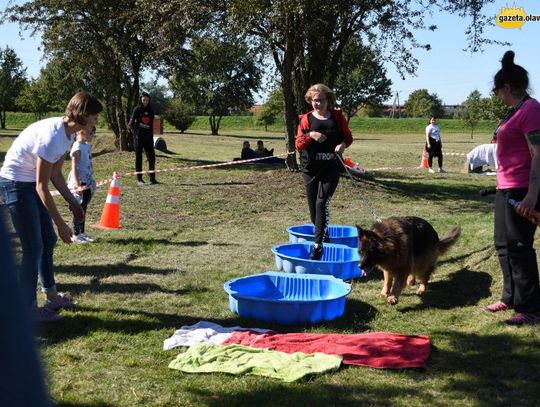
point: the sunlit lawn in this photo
(182, 239)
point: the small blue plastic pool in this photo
(289, 299)
(339, 234)
(337, 260)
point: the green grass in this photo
(359, 125)
(182, 239)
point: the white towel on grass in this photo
(203, 332)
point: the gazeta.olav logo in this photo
(514, 17)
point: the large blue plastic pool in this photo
(337, 260)
(340, 234)
(289, 299)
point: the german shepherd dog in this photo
(405, 249)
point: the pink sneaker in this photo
(499, 306)
(44, 314)
(61, 301)
(523, 318)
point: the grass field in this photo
(182, 239)
(364, 125)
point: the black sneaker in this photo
(153, 182)
(141, 183)
(316, 252)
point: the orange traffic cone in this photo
(110, 218)
(424, 161)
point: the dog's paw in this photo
(421, 290)
(392, 300)
(411, 280)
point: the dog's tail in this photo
(449, 239)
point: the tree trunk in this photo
(214, 124)
(3, 120)
(291, 116)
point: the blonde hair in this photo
(325, 90)
(81, 105)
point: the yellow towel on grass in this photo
(239, 359)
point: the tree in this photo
(222, 76)
(473, 110)
(34, 98)
(497, 109)
(306, 38)
(114, 41)
(271, 110)
(361, 79)
(12, 80)
(423, 104)
(179, 115)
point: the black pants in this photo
(514, 237)
(78, 226)
(435, 150)
(145, 142)
(319, 191)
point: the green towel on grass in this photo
(239, 359)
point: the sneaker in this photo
(441, 170)
(431, 171)
(61, 301)
(316, 252)
(44, 314)
(141, 183)
(153, 182)
(499, 306)
(78, 239)
(523, 318)
(85, 237)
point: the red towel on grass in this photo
(375, 349)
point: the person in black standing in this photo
(322, 134)
(142, 126)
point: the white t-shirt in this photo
(46, 139)
(84, 167)
(433, 131)
(484, 154)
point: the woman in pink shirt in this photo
(518, 178)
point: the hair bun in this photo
(508, 59)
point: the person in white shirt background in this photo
(35, 158)
(434, 144)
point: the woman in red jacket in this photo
(322, 134)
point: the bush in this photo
(178, 114)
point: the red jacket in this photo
(302, 137)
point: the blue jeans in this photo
(34, 227)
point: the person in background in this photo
(323, 133)
(262, 150)
(434, 144)
(142, 126)
(82, 176)
(35, 158)
(518, 178)
(247, 152)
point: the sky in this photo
(446, 69)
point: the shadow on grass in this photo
(462, 288)
(319, 394)
(119, 288)
(108, 270)
(85, 404)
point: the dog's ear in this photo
(361, 231)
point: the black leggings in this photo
(145, 142)
(435, 150)
(514, 238)
(319, 191)
(78, 226)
